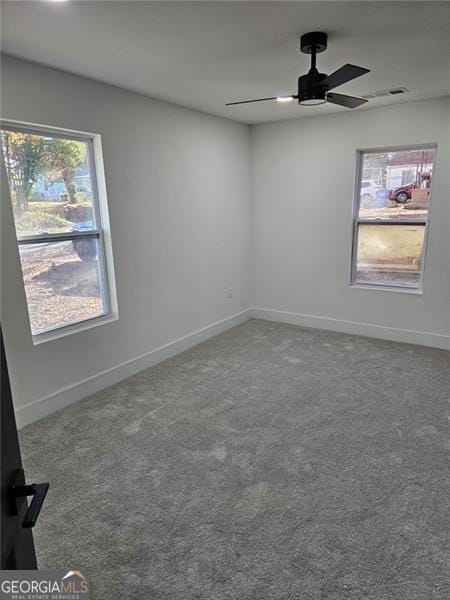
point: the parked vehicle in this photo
(369, 189)
(86, 248)
(402, 194)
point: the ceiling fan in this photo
(314, 87)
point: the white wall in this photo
(303, 180)
(178, 190)
(179, 202)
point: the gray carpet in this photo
(271, 462)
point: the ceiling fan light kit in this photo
(314, 87)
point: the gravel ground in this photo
(408, 279)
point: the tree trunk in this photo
(21, 199)
(70, 186)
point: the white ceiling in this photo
(204, 54)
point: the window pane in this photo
(50, 183)
(62, 282)
(396, 184)
(389, 254)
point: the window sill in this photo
(55, 334)
(387, 288)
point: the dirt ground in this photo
(60, 288)
(405, 211)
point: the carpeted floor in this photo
(271, 462)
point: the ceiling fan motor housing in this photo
(309, 88)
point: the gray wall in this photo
(303, 179)
(178, 192)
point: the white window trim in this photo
(355, 220)
(100, 205)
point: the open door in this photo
(17, 518)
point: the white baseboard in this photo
(49, 404)
(395, 334)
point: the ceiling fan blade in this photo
(258, 100)
(347, 101)
(343, 75)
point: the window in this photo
(391, 216)
(53, 188)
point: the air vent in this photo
(397, 91)
(384, 93)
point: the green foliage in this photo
(40, 219)
(24, 160)
(64, 157)
(61, 155)
(51, 217)
(27, 156)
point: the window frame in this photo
(101, 231)
(356, 221)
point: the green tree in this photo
(64, 157)
(24, 156)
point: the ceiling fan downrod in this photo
(310, 92)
